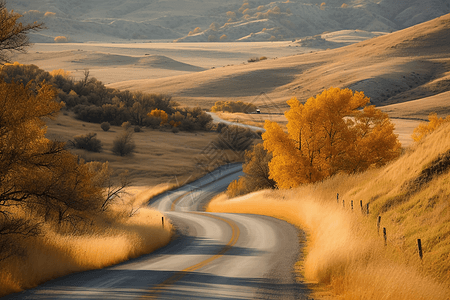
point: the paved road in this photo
(214, 256)
(216, 119)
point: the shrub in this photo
(88, 142)
(61, 39)
(105, 126)
(233, 107)
(175, 130)
(153, 122)
(235, 138)
(126, 125)
(221, 126)
(256, 169)
(137, 129)
(123, 144)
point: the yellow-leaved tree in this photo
(161, 114)
(426, 128)
(40, 181)
(336, 131)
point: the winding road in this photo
(214, 256)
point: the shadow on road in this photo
(130, 284)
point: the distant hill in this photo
(215, 20)
(406, 65)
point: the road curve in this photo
(214, 256)
(217, 119)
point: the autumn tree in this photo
(426, 128)
(160, 114)
(13, 34)
(256, 170)
(336, 131)
(39, 178)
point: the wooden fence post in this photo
(337, 197)
(360, 203)
(378, 224)
(162, 222)
(385, 236)
(419, 246)
(367, 208)
(343, 203)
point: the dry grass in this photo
(160, 156)
(162, 159)
(114, 238)
(257, 120)
(344, 250)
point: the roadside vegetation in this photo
(92, 101)
(53, 205)
(346, 252)
(234, 107)
(58, 214)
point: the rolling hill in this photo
(255, 20)
(406, 65)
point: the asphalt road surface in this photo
(213, 256)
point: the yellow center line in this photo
(155, 291)
(174, 203)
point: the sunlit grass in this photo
(114, 238)
(344, 250)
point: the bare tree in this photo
(13, 34)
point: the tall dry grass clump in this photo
(128, 231)
(344, 250)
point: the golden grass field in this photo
(116, 237)
(161, 157)
(406, 65)
(345, 254)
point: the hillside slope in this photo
(256, 20)
(402, 66)
(346, 250)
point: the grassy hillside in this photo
(345, 251)
(399, 67)
(237, 20)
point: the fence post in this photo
(360, 203)
(343, 203)
(337, 197)
(385, 236)
(419, 246)
(352, 205)
(162, 222)
(378, 224)
(367, 208)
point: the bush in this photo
(137, 129)
(234, 107)
(105, 126)
(175, 130)
(88, 142)
(123, 144)
(61, 39)
(221, 126)
(126, 125)
(235, 138)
